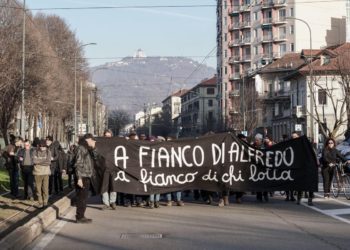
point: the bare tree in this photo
(330, 79)
(117, 119)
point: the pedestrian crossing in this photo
(340, 214)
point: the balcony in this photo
(246, 58)
(267, 56)
(234, 59)
(280, 20)
(280, 38)
(234, 43)
(279, 3)
(267, 38)
(267, 4)
(266, 21)
(234, 26)
(234, 76)
(245, 25)
(245, 8)
(246, 41)
(234, 10)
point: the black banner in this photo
(212, 163)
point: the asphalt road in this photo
(251, 225)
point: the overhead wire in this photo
(199, 66)
(149, 6)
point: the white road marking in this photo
(326, 213)
(48, 237)
(337, 211)
(334, 213)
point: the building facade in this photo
(252, 34)
(308, 97)
(199, 109)
(172, 109)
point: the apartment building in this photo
(198, 108)
(295, 100)
(254, 33)
(172, 109)
(146, 117)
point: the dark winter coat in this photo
(11, 161)
(21, 154)
(331, 155)
(54, 149)
(88, 164)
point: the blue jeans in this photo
(178, 196)
(153, 197)
(109, 198)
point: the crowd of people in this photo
(41, 165)
(43, 162)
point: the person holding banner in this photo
(109, 195)
(258, 143)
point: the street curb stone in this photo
(24, 235)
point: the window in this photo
(255, 33)
(225, 5)
(292, 29)
(225, 21)
(225, 37)
(225, 70)
(210, 91)
(282, 13)
(322, 97)
(255, 16)
(292, 47)
(225, 53)
(291, 12)
(210, 103)
(256, 51)
(247, 52)
(325, 59)
(283, 48)
(210, 116)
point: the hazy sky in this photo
(158, 31)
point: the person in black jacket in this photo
(55, 180)
(12, 164)
(84, 170)
(26, 160)
(330, 156)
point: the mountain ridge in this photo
(130, 83)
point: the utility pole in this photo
(81, 106)
(22, 132)
(243, 104)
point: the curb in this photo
(24, 235)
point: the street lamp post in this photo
(23, 68)
(310, 75)
(75, 89)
